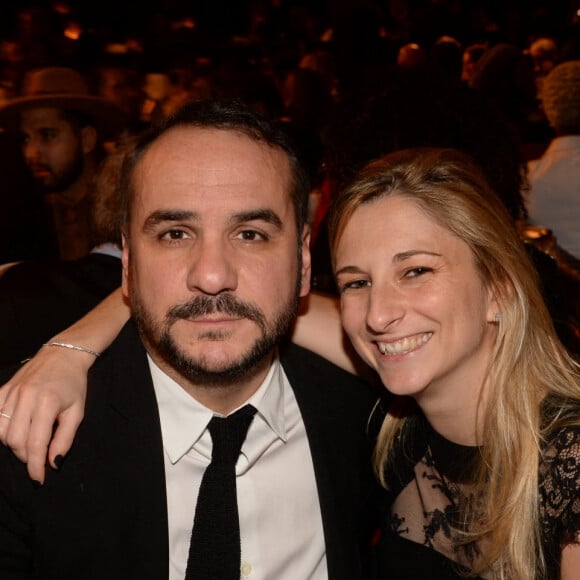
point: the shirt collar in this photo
(108, 249)
(184, 419)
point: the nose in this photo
(385, 309)
(30, 150)
(213, 268)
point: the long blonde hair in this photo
(529, 366)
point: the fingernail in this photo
(58, 460)
(36, 484)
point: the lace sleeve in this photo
(560, 488)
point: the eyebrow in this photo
(169, 215)
(173, 215)
(402, 256)
(397, 258)
(262, 214)
(348, 270)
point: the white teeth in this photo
(403, 346)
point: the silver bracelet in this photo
(73, 347)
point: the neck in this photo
(459, 423)
(220, 396)
(456, 408)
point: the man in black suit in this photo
(215, 259)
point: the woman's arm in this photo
(318, 329)
(570, 562)
(52, 387)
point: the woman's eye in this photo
(416, 272)
(354, 285)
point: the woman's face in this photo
(413, 303)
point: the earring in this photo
(497, 318)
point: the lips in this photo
(215, 320)
(405, 345)
(38, 171)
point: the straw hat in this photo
(62, 88)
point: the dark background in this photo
(219, 20)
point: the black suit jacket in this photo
(39, 299)
(104, 513)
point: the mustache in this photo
(223, 304)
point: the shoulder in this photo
(562, 452)
(561, 457)
(314, 377)
(302, 363)
(123, 363)
(123, 356)
(559, 481)
(60, 291)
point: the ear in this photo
(496, 298)
(88, 139)
(306, 262)
(125, 264)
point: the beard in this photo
(57, 182)
(195, 369)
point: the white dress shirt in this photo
(280, 523)
(554, 196)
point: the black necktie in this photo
(214, 551)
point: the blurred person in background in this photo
(63, 128)
(471, 56)
(554, 196)
(38, 297)
(545, 55)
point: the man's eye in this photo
(173, 235)
(251, 236)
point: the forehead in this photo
(211, 167)
(42, 117)
(396, 224)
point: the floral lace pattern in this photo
(426, 511)
(560, 488)
(425, 508)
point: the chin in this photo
(400, 386)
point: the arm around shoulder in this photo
(318, 328)
(51, 387)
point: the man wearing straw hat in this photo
(63, 127)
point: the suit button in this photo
(246, 569)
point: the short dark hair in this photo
(228, 115)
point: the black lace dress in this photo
(432, 477)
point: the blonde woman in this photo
(480, 445)
(480, 441)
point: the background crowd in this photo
(351, 80)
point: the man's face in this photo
(52, 148)
(211, 262)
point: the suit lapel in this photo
(131, 445)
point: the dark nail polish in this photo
(36, 484)
(58, 460)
